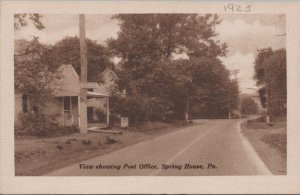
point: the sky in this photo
(243, 33)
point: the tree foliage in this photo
(270, 74)
(148, 45)
(33, 74)
(146, 39)
(248, 106)
(159, 85)
(36, 64)
(67, 51)
(21, 20)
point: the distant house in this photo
(98, 106)
(108, 77)
(65, 104)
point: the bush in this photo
(40, 125)
(261, 119)
(161, 110)
(114, 119)
(132, 107)
(100, 115)
(141, 108)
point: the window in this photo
(25, 103)
(67, 105)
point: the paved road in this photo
(214, 148)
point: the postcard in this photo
(150, 97)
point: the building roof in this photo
(69, 84)
(109, 71)
(96, 94)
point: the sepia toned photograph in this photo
(149, 97)
(158, 94)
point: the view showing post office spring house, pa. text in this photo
(155, 94)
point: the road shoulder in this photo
(269, 143)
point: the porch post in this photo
(78, 104)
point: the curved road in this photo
(216, 147)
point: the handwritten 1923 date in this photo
(231, 7)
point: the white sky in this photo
(244, 34)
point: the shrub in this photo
(41, 125)
(100, 115)
(140, 109)
(161, 110)
(132, 107)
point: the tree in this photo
(32, 74)
(67, 51)
(21, 20)
(147, 44)
(146, 39)
(248, 106)
(270, 75)
(214, 89)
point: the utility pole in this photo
(83, 75)
(268, 120)
(234, 72)
(189, 82)
(229, 102)
(107, 111)
(267, 97)
(187, 109)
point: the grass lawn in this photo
(38, 156)
(270, 143)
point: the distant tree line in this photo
(248, 106)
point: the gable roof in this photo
(109, 71)
(69, 84)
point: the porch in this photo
(97, 109)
